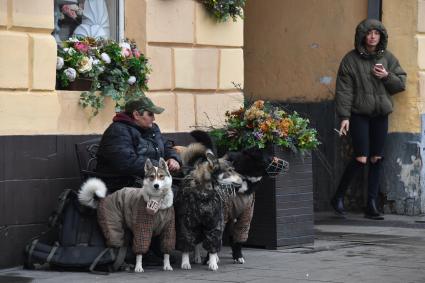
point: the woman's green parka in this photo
(357, 89)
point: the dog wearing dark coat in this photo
(251, 164)
(199, 203)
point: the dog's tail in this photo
(194, 153)
(203, 138)
(91, 191)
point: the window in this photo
(95, 18)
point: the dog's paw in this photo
(138, 268)
(213, 266)
(186, 265)
(240, 260)
(212, 263)
(167, 267)
(185, 261)
(207, 261)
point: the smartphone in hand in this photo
(379, 66)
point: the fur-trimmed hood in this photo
(361, 32)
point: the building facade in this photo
(285, 50)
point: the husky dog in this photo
(199, 203)
(146, 211)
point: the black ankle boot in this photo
(372, 211)
(338, 205)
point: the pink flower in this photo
(136, 53)
(82, 47)
(125, 52)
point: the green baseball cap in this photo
(142, 104)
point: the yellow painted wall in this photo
(401, 20)
(293, 48)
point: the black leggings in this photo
(368, 135)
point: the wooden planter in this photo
(80, 84)
(283, 214)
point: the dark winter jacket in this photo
(125, 147)
(357, 89)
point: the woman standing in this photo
(367, 78)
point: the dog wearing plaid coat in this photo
(146, 211)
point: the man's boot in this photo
(372, 211)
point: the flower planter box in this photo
(283, 214)
(80, 84)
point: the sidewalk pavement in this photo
(354, 250)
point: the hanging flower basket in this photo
(222, 10)
(117, 70)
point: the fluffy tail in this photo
(91, 191)
(203, 138)
(193, 154)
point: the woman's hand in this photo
(380, 72)
(345, 127)
(173, 165)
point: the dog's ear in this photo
(148, 165)
(163, 164)
(212, 159)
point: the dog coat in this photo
(238, 212)
(126, 208)
(199, 215)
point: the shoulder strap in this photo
(62, 200)
(96, 261)
(30, 249)
(122, 252)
